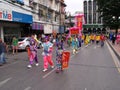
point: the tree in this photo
(110, 13)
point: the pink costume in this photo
(33, 52)
(47, 54)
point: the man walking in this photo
(2, 52)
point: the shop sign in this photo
(21, 17)
(48, 29)
(5, 15)
(61, 29)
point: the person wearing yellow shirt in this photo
(97, 39)
(92, 38)
(83, 37)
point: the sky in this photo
(74, 5)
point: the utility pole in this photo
(60, 16)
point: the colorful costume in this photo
(32, 53)
(74, 45)
(47, 54)
(59, 52)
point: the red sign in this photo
(65, 59)
(5, 15)
(74, 30)
(79, 21)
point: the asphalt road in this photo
(92, 68)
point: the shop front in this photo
(37, 28)
(13, 24)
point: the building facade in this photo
(48, 16)
(23, 17)
(15, 19)
(93, 22)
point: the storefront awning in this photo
(92, 26)
(37, 26)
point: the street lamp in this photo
(116, 23)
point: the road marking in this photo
(115, 59)
(49, 73)
(28, 88)
(85, 88)
(4, 82)
(46, 75)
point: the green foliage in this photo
(108, 10)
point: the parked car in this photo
(23, 43)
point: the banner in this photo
(79, 21)
(65, 59)
(74, 30)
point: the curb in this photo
(116, 53)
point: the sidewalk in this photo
(115, 48)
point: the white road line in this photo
(49, 73)
(115, 59)
(4, 81)
(28, 88)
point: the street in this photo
(92, 68)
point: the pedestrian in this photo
(32, 54)
(59, 52)
(113, 39)
(47, 54)
(15, 45)
(79, 41)
(2, 52)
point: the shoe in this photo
(44, 70)
(29, 66)
(37, 64)
(52, 66)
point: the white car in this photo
(23, 43)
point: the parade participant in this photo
(59, 51)
(93, 38)
(32, 54)
(97, 39)
(102, 38)
(47, 54)
(74, 45)
(83, 38)
(32, 40)
(87, 40)
(79, 41)
(14, 45)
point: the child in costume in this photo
(74, 45)
(59, 51)
(47, 54)
(32, 52)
